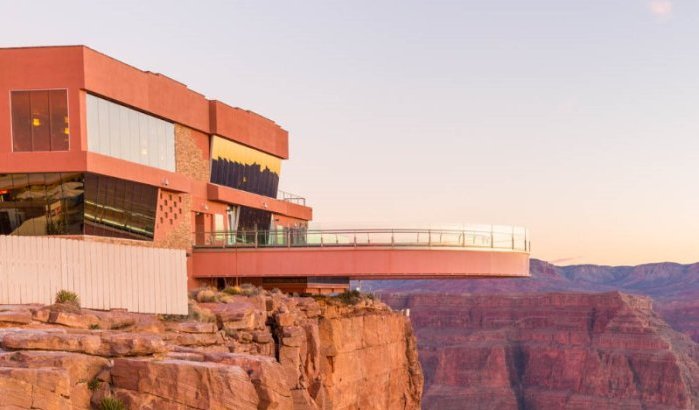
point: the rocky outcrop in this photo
(260, 351)
(550, 351)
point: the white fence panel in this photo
(105, 276)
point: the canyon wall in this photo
(673, 287)
(550, 351)
(260, 351)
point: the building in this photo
(94, 149)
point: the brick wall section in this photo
(173, 220)
(192, 153)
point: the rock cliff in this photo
(260, 351)
(550, 351)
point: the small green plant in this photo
(67, 297)
(112, 403)
(93, 384)
(95, 326)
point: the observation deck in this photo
(363, 253)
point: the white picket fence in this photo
(105, 276)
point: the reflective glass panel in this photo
(128, 134)
(240, 167)
(21, 121)
(58, 102)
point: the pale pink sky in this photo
(576, 119)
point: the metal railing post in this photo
(429, 237)
(255, 237)
(392, 239)
(492, 237)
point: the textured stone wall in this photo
(173, 224)
(192, 156)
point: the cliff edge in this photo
(257, 350)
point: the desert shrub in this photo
(112, 403)
(249, 289)
(67, 297)
(349, 297)
(93, 384)
(201, 315)
(206, 296)
(95, 326)
(173, 318)
(233, 290)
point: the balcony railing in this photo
(289, 197)
(512, 239)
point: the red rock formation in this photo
(550, 351)
(264, 351)
(673, 287)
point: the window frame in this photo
(12, 135)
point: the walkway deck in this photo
(363, 254)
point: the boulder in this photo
(42, 340)
(265, 373)
(130, 344)
(197, 385)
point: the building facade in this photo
(94, 149)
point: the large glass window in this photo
(40, 120)
(41, 204)
(74, 204)
(119, 208)
(245, 168)
(121, 132)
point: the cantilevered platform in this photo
(362, 254)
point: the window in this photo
(75, 204)
(240, 167)
(118, 208)
(40, 120)
(121, 132)
(41, 204)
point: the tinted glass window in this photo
(58, 101)
(119, 208)
(41, 204)
(240, 167)
(21, 121)
(121, 132)
(40, 120)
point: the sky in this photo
(576, 119)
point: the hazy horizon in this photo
(577, 120)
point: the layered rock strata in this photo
(262, 351)
(550, 351)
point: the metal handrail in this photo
(289, 197)
(516, 239)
